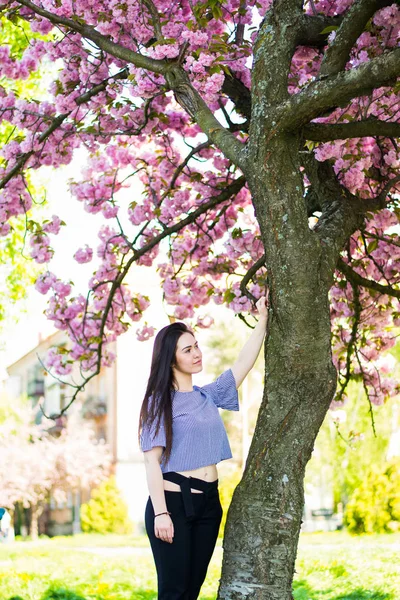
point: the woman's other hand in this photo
(164, 528)
(262, 305)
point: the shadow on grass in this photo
(302, 591)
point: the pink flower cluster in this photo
(84, 255)
(379, 261)
(41, 251)
(89, 322)
(145, 333)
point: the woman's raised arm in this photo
(248, 354)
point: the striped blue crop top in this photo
(199, 437)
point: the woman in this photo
(183, 437)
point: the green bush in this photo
(106, 512)
(226, 487)
(61, 594)
(374, 506)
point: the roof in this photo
(42, 346)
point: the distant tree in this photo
(34, 464)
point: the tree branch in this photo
(189, 98)
(155, 18)
(176, 77)
(238, 93)
(366, 391)
(380, 201)
(102, 41)
(352, 26)
(383, 238)
(325, 132)
(311, 27)
(184, 163)
(320, 96)
(352, 343)
(273, 52)
(371, 284)
(252, 271)
(342, 212)
(58, 121)
(229, 191)
(240, 27)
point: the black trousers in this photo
(182, 566)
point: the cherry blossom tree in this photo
(26, 469)
(35, 464)
(262, 138)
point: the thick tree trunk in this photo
(264, 518)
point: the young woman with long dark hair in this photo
(182, 437)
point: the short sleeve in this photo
(223, 391)
(148, 437)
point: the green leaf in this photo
(229, 296)
(237, 233)
(372, 246)
(196, 176)
(329, 29)
(214, 69)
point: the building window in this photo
(35, 384)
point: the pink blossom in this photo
(195, 38)
(204, 322)
(84, 255)
(109, 211)
(53, 226)
(44, 282)
(145, 333)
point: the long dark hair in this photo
(161, 383)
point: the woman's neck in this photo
(183, 382)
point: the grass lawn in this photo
(330, 566)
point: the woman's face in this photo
(188, 357)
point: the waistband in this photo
(186, 483)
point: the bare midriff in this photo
(208, 473)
